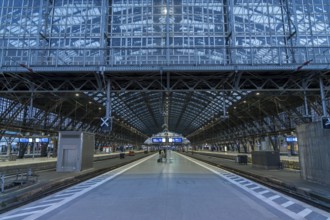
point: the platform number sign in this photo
(326, 122)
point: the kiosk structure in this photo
(75, 151)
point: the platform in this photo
(181, 188)
(48, 179)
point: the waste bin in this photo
(241, 159)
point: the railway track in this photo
(308, 197)
(38, 190)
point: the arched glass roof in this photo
(156, 34)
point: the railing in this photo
(160, 56)
(16, 177)
(10, 157)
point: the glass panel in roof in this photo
(196, 31)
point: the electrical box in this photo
(75, 151)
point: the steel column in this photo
(324, 106)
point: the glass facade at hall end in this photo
(163, 32)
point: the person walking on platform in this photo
(160, 158)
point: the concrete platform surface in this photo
(180, 188)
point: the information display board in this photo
(42, 140)
(291, 139)
(158, 140)
(175, 140)
(24, 140)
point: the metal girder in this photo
(9, 110)
(126, 108)
(246, 122)
(182, 110)
(37, 120)
(195, 98)
(145, 98)
(178, 82)
(247, 46)
(7, 121)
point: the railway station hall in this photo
(164, 109)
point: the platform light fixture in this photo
(164, 11)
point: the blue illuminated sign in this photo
(158, 140)
(291, 139)
(177, 140)
(24, 140)
(44, 140)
